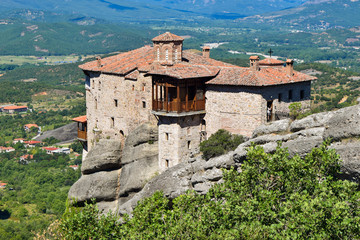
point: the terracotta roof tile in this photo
(263, 77)
(129, 65)
(81, 119)
(14, 107)
(31, 125)
(271, 61)
(133, 75)
(167, 37)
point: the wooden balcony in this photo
(178, 106)
(82, 135)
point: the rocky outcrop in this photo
(299, 137)
(119, 179)
(64, 134)
(112, 174)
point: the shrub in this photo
(219, 143)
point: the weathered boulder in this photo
(312, 121)
(273, 127)
(344, 124)
(302, 146)
(106, 155)
(350, 156)
(101, 185)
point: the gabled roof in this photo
(81, 119)
(167, 37)
(122, 63)
(130, 64)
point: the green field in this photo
(50, 60)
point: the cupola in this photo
(168, 48)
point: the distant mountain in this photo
(74, 36)
(314, 15)
(135, 10)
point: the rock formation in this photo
(112, 174)
(131, 177)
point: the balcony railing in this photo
(176, 106)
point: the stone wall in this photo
(115, 106)
(236, 109)
(179, 137)
(241, 109)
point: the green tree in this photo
(219, 143)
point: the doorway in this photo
(269, 111)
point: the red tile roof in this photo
(193, 66)
(32, 142)
(81, 119)
(14, 107)
(50, 148)
(167, 37)
(27, 156)
(31, 125)
(262, 77)
(270, 61)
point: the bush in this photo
(220, 143)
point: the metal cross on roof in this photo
(270, 52)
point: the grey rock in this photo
(344, 124)
(63, 134)
(101, 185)
(312, 121)
(198, 178)
(141, 144)
(135, 174)
(270, 147)
(106, 207)
(223, 161)
(350, 156)
(106, 155)
(273, 127)
(266, 139)
(319, 131)
(214, 174)
(202, 188)
(302, 146)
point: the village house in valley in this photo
(189, 96)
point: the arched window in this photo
(167, 54)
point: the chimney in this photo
(98, 59)
(290, 67)
(206, 52)
(254, 63)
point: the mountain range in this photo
(135, 10)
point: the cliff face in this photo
(112, 174)
(131, 175)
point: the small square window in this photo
(116, 102)
(166, 136)
(143, 104)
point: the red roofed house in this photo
(189, 96)
(2, 185)
(14, 109)
(27, 127)
(50, 150)
(6, 149)
(32, 143)
(16, 140)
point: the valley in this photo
(42, 45)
